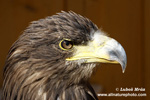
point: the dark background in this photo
(128, 21)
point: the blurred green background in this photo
(128, 21)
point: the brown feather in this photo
(36, 68)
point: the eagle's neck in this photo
(69, 83)
(82, 91)
(28, 81)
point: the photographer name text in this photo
(131, 89)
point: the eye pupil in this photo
(66, 44)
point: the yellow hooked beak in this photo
(101, 49)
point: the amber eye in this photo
(66, 44)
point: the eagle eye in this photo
(66, 44)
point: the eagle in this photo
(54, 58)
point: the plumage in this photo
(37, 68)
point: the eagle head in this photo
(54, 58)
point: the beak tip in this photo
(123, 67)
(123, 70)
(123, 61)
